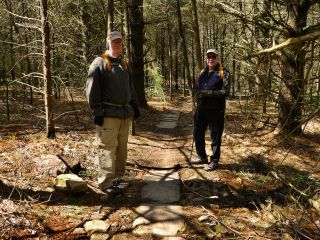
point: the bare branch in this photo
(28, 26)
(287, 43)
(65, 113)
(19, 16)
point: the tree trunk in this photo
(184, 47)
(266, 61)
(45, 32)
(170, 55)
(127, 31)
(176, 59)
(12, 61)
(84, 32)
(126, 28)
(110, 15)
(196, 33)
(137, 40)
(7, 100)
(292, 71)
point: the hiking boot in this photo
(211, 166)
(120, 183)
(113, 191)
(105, 198)
(198, 160)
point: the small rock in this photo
(225, 194)
(315, 202)
(203, 218)
(195, 200)
(213, 197)
(140, 221)
(99, 236)
(78, 231)
(173, 238)
(214, 206)
(71, 182)
(8, 206)
(287, 236)
(96, 226)
(115, 224)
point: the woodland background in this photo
(271, 48)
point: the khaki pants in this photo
(112, 140)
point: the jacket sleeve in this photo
(93, 88)
(195, 89)
(224, 92)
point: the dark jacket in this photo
(110, 93)
(220, 88)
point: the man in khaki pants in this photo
(112, 99)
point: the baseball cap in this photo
(212, 51)
(114, 35)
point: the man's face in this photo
(212, 60)
(116, 47)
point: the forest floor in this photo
(266, 187)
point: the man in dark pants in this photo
(211, 91)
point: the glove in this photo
(203, 93)
(206, 93)
(136, 112)
(98, 120)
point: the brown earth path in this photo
(255, 193)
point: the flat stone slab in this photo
(161, 220)
(162, 186)
(169, 120)
(167, 125)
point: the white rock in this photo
(203, 218)
(71, 182)
(77, 231)
(96, 226)
(99, 236)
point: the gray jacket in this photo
(110, 93)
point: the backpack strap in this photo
(107, 60)
(221, 72)
(124, 63)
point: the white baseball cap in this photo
(113, 36)
(212, 51)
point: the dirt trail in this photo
(258, 191)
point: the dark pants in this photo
(214, 119)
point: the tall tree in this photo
(137, 41)
(46, 64)
(110, 15)
(184, 47)
(127, 30)
(292, 69)
(196, 33)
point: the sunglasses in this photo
(211, 57)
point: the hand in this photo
(136, 112)
(206, 93)
(98, 120)
(203, 93)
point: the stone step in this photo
(169, 120)
(162, 186)
(160, 220)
